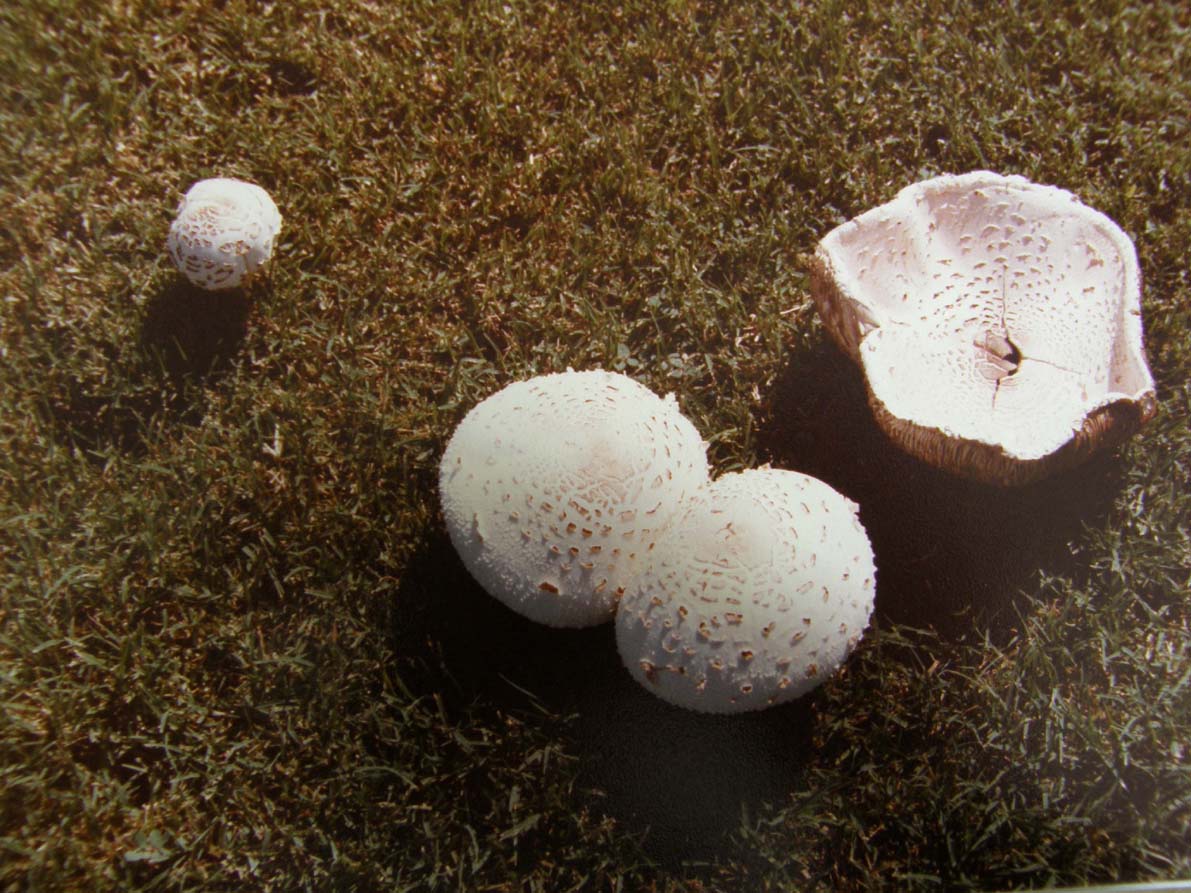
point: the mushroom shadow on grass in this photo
(194, 333)
(186, 336)
(676, 779)
(951, 554)
(683, 781)
(455, 640)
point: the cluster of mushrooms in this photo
(581, 496)
(998, 326)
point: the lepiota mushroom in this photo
(554, 490)
(997, 322)
(224, 232)
(756, 594)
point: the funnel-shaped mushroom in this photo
(223, 233)
(998, 324)
(757, 594)
(555, 488)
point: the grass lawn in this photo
(237, 650)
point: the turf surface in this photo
(236, 649)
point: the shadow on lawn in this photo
(677, 779)
(193, 333)
(686, 780)
(187, 336)
(951, 555)
(469, 647)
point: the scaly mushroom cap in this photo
(555, 488)
(224, 231)
(998, 324)
(757, 594)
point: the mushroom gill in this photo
(997, 323)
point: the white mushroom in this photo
(555, 489)
(757, 594)
(998, 324)
(223, 233)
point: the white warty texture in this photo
(756, 594)
(556, 488)
(224, 232)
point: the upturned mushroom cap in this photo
(555, 488)
(997, 322)
(757, 594)
(223, 233)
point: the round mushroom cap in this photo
(224, 231)
(757, 594)
(554, 489)
(998, 324)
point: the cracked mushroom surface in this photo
(997, 322)
(757, 594)
(555, 489)
(224, 231)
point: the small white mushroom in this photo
(997, 322)
(556, 488)
(757, 594)
(224, 232)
